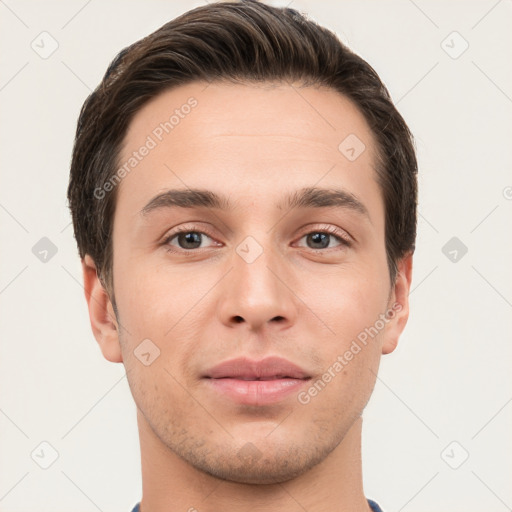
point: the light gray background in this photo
(448, 381)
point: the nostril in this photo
(238, 319)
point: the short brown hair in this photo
(244, 41)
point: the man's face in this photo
(256, 279)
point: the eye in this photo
(187, 239)
(327, 238)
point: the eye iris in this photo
(190, 240)
(319, 238)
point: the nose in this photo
(258, 293)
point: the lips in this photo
(270, 368)
(250, 382)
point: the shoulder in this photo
(373, 506)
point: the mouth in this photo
(253, 377)
(249, 382)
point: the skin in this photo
(255, 144)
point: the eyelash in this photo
(342, 238)
(336, 233)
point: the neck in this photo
(171, 484)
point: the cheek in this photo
(157, 391)
(348, 302)
(350, 306)
(148, 296)
(167, 309)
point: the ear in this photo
(101, 313)
(398, 307)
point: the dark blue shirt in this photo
(373, 506)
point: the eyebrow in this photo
(188, 198)
(309, 197)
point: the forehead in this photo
(247, 137)
(315, 114)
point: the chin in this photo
(250, 466)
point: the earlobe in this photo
(399, 305)
(101, 313)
